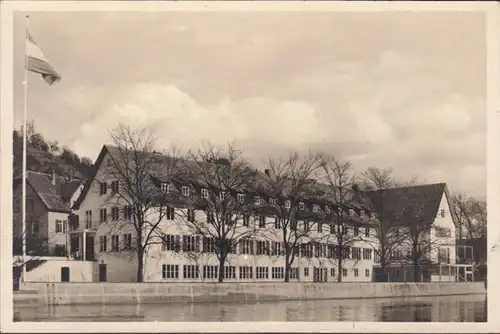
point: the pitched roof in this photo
(55, 196)
(405, 205)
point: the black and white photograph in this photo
(282, 163)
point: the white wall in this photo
(50, 271)
(445, 221)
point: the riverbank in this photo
(137, 293)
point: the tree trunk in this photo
(287, 267)
(222, 259)
(339, 264)
(140, 264)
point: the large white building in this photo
(103, 233)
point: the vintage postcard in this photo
(250, 166)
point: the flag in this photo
(37, 63)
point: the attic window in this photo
(351, 212)
(222, 195)
(372, 215)
(256, 200)
(115, 187)
(302, 206)
(272, 201)
(104, 188)
(315, 208)
(240, 198)
(185, 190)
(443, 213)
(327, 209)
(204, 193)
(165, 188)
(362, 214)
(288, 204)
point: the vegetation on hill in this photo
(44, 155)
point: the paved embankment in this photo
(137, 293)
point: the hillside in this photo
(44, 156)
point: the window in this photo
(262, 272)
(222, 195)
(208, 245)
(171, 243)
(170, 271)
(443, 213)
(210, 218)
(351, 212)
(35, 227)
(444, 255)
(332, 228)
(288, 204)
(246, 220)
(332, 272)
(367, 272)
(346, 252)
(230, 272)
(256, 200)
(127, 241)
(127, 212)
(275, 248)
(306, 225)
(367, 232)
(302, 206)
(103, 243)
(246, 272)
(362, 214)
(210, 272)
(103, 188)
(344, 272)
(315, 208)
(246, 246)
(190, 243)
(204, 193)
(277, 222)
(320, 227)
(190, 215)
(294, 273)
(372, 215)
(397, 272)
(165, 188)
(272, 202)
(59, 227)
(103, 215)
(115, 187)
(262, 221)
(170, 213)
(262, 247)
(277, 273)
(190, 271)
(306, 272)
(88, 219)
(356, 272)
(185, 190)
(115, 240)
(240, 198)
(367, 253)
(356, 253)
(327, 209)
(442, 232)
(356, 231)
(376, 258)
(115, 213)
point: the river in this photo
(429, 309)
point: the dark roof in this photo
(404, 205)
(55, 196)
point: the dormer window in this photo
(256, 200)
(240, 198)
(185, 190)
(327, 209)
(165, 188)
(315, 208)
(362, 214)
(288, 204)
(372, 215)
(339, 210)
(351, 212)
(272, 201)
(302, 206)
(443, 213)
(204, 193)
(222, 195)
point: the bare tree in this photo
(343, 220)
(471, 216)
(289, 184)
(138, 204)
(216, 180)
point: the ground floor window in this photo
(277, 272)
(170, 271)
(356, 272)
(246, 272)
(332, 272)
(344, 272)
(306, 272)
(367, 272)
(294, 273)
(230, 272)
(210, 272)
(191, 271)
(262, 272)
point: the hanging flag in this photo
(37, 63)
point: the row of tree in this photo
(223, 172)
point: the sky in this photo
(400, 90)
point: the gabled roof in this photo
(405, 205)
(55, 196)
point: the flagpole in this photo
(25, 239)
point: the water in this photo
(428, 309)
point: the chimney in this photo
(53, 177)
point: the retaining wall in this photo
(136, 293)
